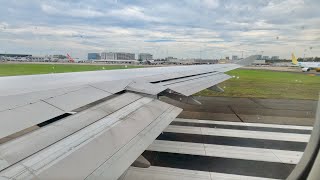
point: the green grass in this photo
(251, 83)
(268, 84)
(27, 69)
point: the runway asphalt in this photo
(274, 111)
(230, 138)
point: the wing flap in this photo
(146, 88)
(181, 80)
(18, 149)
(18, 119)
(192, 86)
(41, 108)
(123, 135)
(120, 161)
(78, 98)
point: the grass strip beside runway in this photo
(28, 69)
(268, 84)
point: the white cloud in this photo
(133, 12)
(212, 4)
(83, 13)
(181, 28)
(286, 6)
(3, 26)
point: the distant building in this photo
(103, 55)
(54, 58)
(259, 61)
(259, 57)
(16, 55)
(38, 59)
(191, 61)
(94, 56)
(275, 58)
(110, 56)
(227, 58)
(120, 56)
(265, 57)
(145, 56)
(234, 57)
(171, 58)
(108, 61)
(125, 56)
(59, 56)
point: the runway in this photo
(250, 110)
(224, 147)
(224, 153)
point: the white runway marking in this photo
(252, 154)
(257, 154)
(245, 124)
(164, 173)
(239, 133)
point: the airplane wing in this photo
(91, 125)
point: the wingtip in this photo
(247, 61)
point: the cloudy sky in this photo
(181, 28)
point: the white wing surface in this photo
(90, 125)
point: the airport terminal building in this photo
(93, 56)
(145, 57)
(119, 56)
